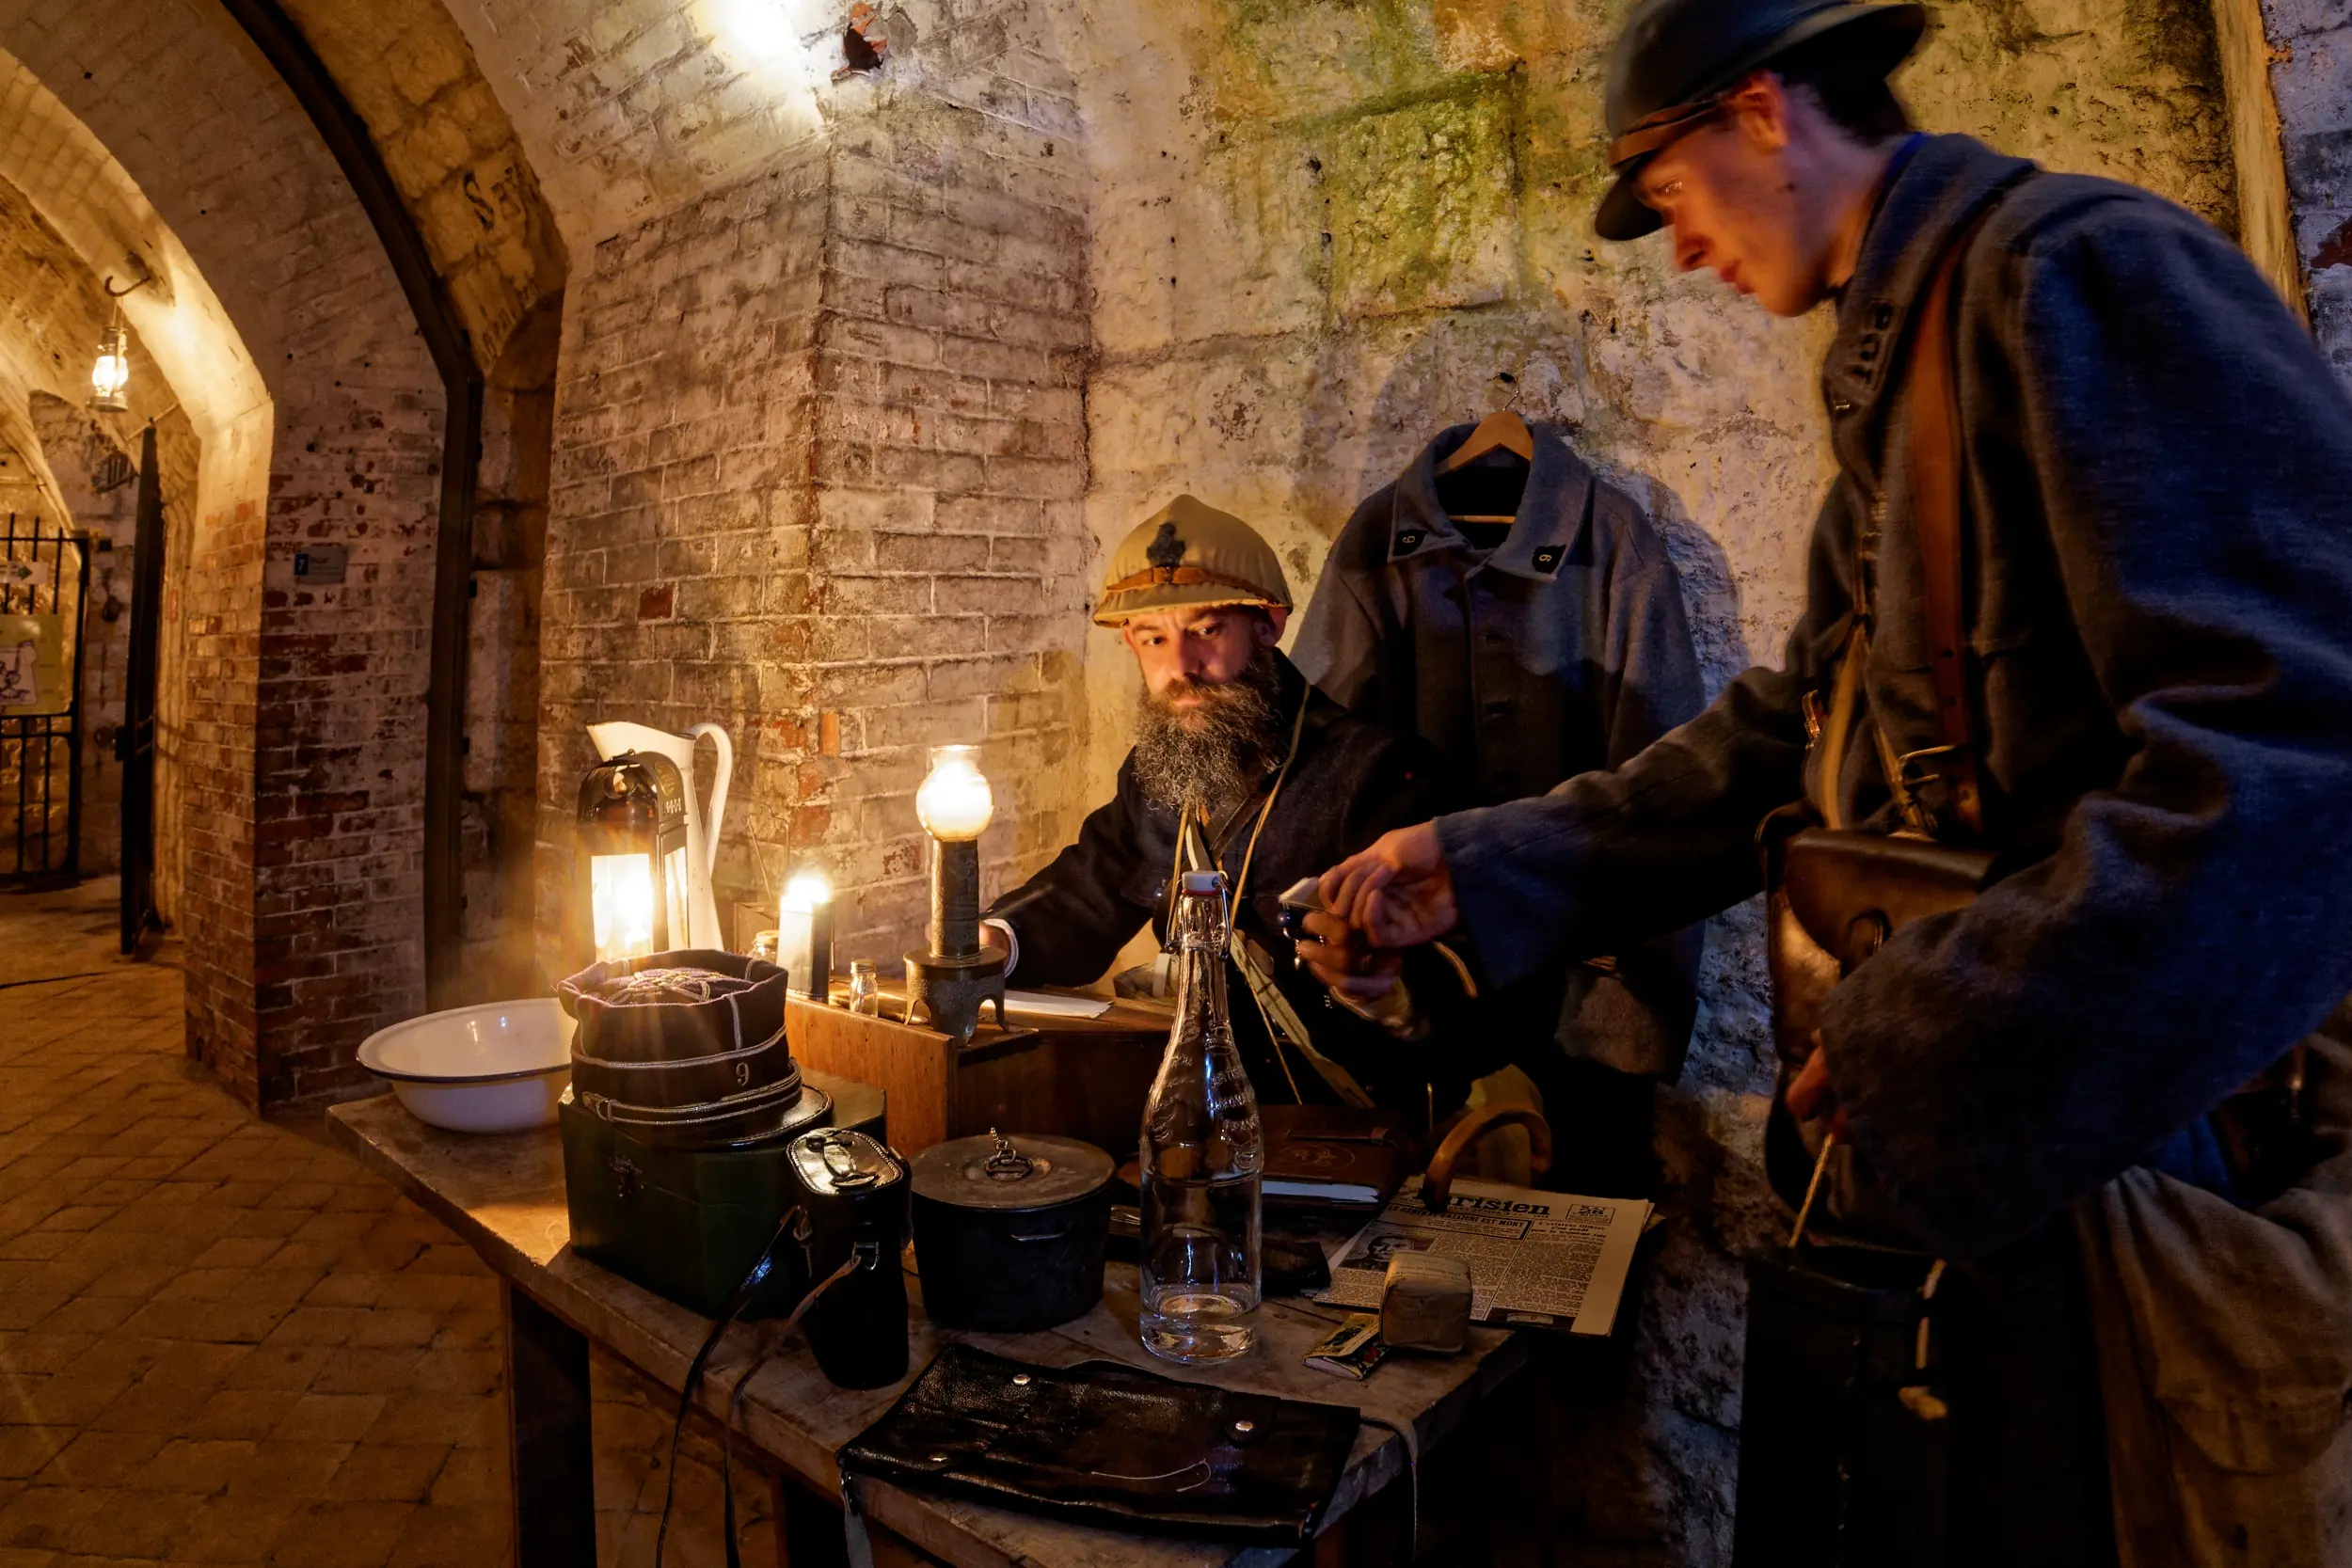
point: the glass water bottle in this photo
(1201, 1156)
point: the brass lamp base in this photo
(949, 990)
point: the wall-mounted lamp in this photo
(804, 934)
(111, 374)
(950, 980)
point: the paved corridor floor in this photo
(221, 1340)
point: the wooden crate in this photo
(1070, 1078)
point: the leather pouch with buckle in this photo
(1107, 1445)
(1835, 898)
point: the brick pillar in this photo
(819, 451)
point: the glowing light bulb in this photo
(955, 802)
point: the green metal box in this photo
(689, 1224)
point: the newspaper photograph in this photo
(1537, 1259)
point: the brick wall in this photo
(820, 446)
(296, 728)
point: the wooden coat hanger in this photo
(1502, 430)
(1497, 432)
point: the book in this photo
(1330, 1156)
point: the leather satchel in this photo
(1836, 895)
(1105, 1444)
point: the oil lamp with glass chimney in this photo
(948, 981)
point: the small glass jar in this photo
(864, 988)
(764, 946)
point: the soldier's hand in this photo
(1811, 1094)
(1338, 954)
(1398, 893)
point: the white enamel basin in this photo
(497, 1067)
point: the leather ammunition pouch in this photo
(1834, 898)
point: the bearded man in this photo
(1286, 782)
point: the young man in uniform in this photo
(2080, 600)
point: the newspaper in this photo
(1544, 1259)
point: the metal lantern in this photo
(949, 981)
(632, 873)
(112, 372)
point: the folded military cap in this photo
(1187, 556)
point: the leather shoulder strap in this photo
(1934, 394)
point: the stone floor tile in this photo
(290, 1366)
(456, 1371)
(67, 1399)
(102, 1459)
(299, 1468)
(331, 1417)
(240, 1530)
(472, 1476)
(135, 1523)
(349, 1288)
(237, 1252)
(201, 1465)
(445, 1534)
(43, 1516)
(389, 1472)
(249, 1412)
(43, 1350)
(89, 1316)
(425, 1419)
(341, 1535)
(27, 1451)
(348, 1370)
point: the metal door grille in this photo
(43, 575)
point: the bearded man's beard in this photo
(1218, 750)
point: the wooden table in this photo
(504, 1195)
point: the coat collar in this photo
(1944, 183)
(1552, 515)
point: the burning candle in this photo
(805, 933)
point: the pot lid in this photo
(1010, 1173)
(843, 1161)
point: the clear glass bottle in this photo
(1201, 1156)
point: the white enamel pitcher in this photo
(702, 827)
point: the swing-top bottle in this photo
(1201, 1156)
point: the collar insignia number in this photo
(1408, 541)
(1547, 558)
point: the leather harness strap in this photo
(1935, 497)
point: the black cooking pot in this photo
(1008, 1232)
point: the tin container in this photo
(1010, 1231)
(688, 1223)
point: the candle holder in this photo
(948, 981)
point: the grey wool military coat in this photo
(1563, 648)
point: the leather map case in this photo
(1315, 1152)
(1105, 1444)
